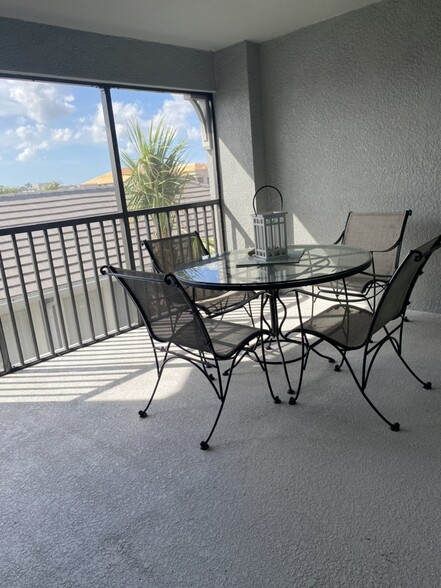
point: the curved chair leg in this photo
(285, 369)
(337, 368)
(393, 426)
(304, 354)
(249, 312)
(426, 385)
(362, 388)
(223, 395)
(306, 348)
(264, 366)
(143, 413)
(261, 362)
(328, 357)
(204, 444)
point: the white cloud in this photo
(32, 138)
(174, 111)
(40, 101)
(22, 132)
(61, 135)
(124, 114)
(194, 134)
(92, 129)
(8, 106)
(28, 150)
(36, 138)
(26, 154)
(177, 111)
(34, 107)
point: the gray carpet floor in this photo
(321, 494)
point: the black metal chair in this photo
(348, 327)
(173, 321)
(168, 253)
(381, 233)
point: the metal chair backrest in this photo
(169, 314)
(170, 252)
(382, 233)
(398, 291)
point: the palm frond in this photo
(158, 167)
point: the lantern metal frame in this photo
(270, 237)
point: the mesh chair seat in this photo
(347, 327)
(358, 283)
(224, 302)
(168, 253)
(173, 320)
(227, 337)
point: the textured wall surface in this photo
(239, 123)
(352, 111)
(32, 48)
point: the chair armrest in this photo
(394, 246)
(339, 240)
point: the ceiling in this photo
(201, 24)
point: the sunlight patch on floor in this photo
(119, 368)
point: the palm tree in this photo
(158, 168)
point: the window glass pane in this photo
(53, 152)
(165, 160)
(55, 165)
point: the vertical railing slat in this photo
(70, 285)
(118, 256)
(6, 360)
(25, 297)
(147, 227)
(178, 222)
(84, 282)
(196, 217)
(206, 238)
(37, 275)
(11, 312)
(187, 218)
(169, 224)
(97, 280)
(138, 243)
(56, 289)
(110, 281)
(215, 236)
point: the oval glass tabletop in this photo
(236, 270)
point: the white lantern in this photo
(270, 231)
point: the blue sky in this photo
(56, 131)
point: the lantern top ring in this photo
(261, 188)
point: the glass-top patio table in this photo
(236, 270)
(306, 265)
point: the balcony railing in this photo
(52, 297)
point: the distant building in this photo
(107, 178)
(198, 170)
